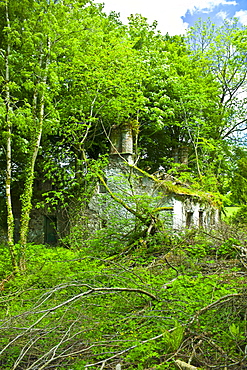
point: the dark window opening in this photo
(50, 230)
(201, 219)
(189, 219)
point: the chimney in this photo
(122, 142)
(127, 140)
(115, 138)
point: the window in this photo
(189, 218)
(201, 219)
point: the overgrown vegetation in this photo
(133, 293)
(64, 89)
(183, 299)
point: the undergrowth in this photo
(180, 297)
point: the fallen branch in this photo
(124, 351)
(184, 366)
(221, 300)
(92, 290)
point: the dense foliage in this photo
(147, 298)
(70, 74)
(183, 299)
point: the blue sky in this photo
(175, 16)
(219, 12)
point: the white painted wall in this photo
(178, 214)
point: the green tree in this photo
(102, 77)
(32, 38)
(71, 73)
(223, 51)
(181, 100)
(238, 182)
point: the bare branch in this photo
(225, 299)
(125, 350)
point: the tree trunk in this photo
(26, 198)
(10, 216)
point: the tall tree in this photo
(222, 50)
(102, 83)
(181, 99)
(32, 37)
(60, 52)
(8, 126)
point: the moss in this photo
(182, 190)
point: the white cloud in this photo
(207, 6)
(206, 11)
(242, 16)
(168, 13)
(222, 15)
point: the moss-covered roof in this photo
(179, 189)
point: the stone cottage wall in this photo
(135, 189)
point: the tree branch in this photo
(221, 300)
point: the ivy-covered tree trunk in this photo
(28, 31)
(38, 118)
(10, 216)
